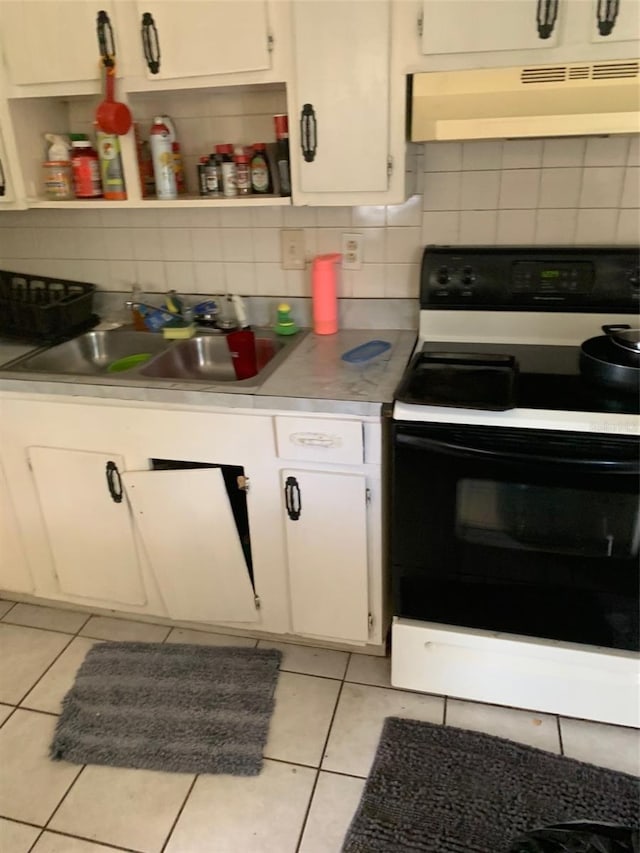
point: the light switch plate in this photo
(292, 249)
(352, 250)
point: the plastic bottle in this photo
(260, 174)
(162, 157)
(111, 173)
(58, 175)
(178, 163)
(324, 292)
(86, 170)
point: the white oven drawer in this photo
(316, 440)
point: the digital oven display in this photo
(560, 280)
(548, 275)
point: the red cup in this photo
(242, 346)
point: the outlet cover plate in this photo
(292, 249)
(352, 251)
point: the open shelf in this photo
(183, 201)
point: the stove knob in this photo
(443, 275)
(467, 276)
(634, 278)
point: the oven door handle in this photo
(616, 466)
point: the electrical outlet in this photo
(352, 251)
(292, 249)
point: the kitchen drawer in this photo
(320, 440)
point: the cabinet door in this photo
(192, 543)
(342, 71)
(475, 26)
(46, 41)
(326, 531)
(203, 37)
(618, 21)
(14, 571)
(90, 531)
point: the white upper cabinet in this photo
(45, 41)
(469, 26)
(340, 127)
(615, 21)
(193, 38)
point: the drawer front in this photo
(313, 440)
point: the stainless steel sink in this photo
(208, 359)
(92, 353)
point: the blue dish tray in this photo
(365, 352)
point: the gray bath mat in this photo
(436, 789)
(177, 707)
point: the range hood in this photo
(540, 100)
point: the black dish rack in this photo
(43, 309)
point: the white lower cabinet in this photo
(326, 530)
(14, 571)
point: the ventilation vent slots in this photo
(544, 75)
(611, 71)
(579, 72)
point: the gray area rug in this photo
(436, 789)
(176, 707)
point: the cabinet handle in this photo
(150, 42)
(106, 41)
(607, 14)
(114, 482)
(292, 498)
(546, 17)
(308, 133)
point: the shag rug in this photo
(437, 789)
(176, 707)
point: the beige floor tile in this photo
(52, 618)
(358, 723)
(309, 660)
(31, 785)
(5, 606)
(106, 628)
(51, 842)
(5, 710)
(203, 638)
(16, 837)
(334, 803)
(301, 719)
(49, 692)
(254, 814)
(127, 808)
(539, 730)
(26, 654)
(366, 669)
(597, 743)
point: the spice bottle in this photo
(229, 186)
(202, 175)
(111, 172)
(162, 157)
(260, 174)
(86, 169)
(282, 153)
(213, 177)
(243, 175)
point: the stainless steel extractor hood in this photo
(541, 100)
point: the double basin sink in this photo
(131, 354)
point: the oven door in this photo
(520, 531)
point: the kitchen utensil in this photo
(624, 336)
(128, 362)
(112, 116)
(606, 363)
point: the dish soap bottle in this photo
(284, 324)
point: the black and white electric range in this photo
(515, 508)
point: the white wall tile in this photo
(240, 277)
(122, 274)
(442, 191)
(328, 240)
(209, 277)
(206, 244)
(568, 151)
(176, 244)
(333, 217)
(633, 157)
(269, 279)
(403, 245)
(442, 157)
(484, 154)
(180, 217)
(516, 227)
(21, 243)
(57, 243)
(118, 243)
(147, 245)
(369, 281)
(602, 187)
(94, 271)
(266, 244)
(311, 242)
(440, 227)
(560, 187)
(374, 244)
(180, 276)
(521, 153)
(144, 217)
(367, 216)
(606, 151)
(555, 227)
(266, 217)
(409, 213)
(235, 217)
(628, 228)
(300, 217)
(478, 227)
(297, 283)
(519, 189)
(596, 226)
(204, 217)
(402, 281)
(237, 244)
(150, 276)
(480, 190)
(89, 243)
(631, 189)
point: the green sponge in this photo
(284, 324)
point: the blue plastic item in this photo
(365, 352)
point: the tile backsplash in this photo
(568, 191)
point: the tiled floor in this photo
(329, 711)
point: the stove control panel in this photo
(530, 279)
